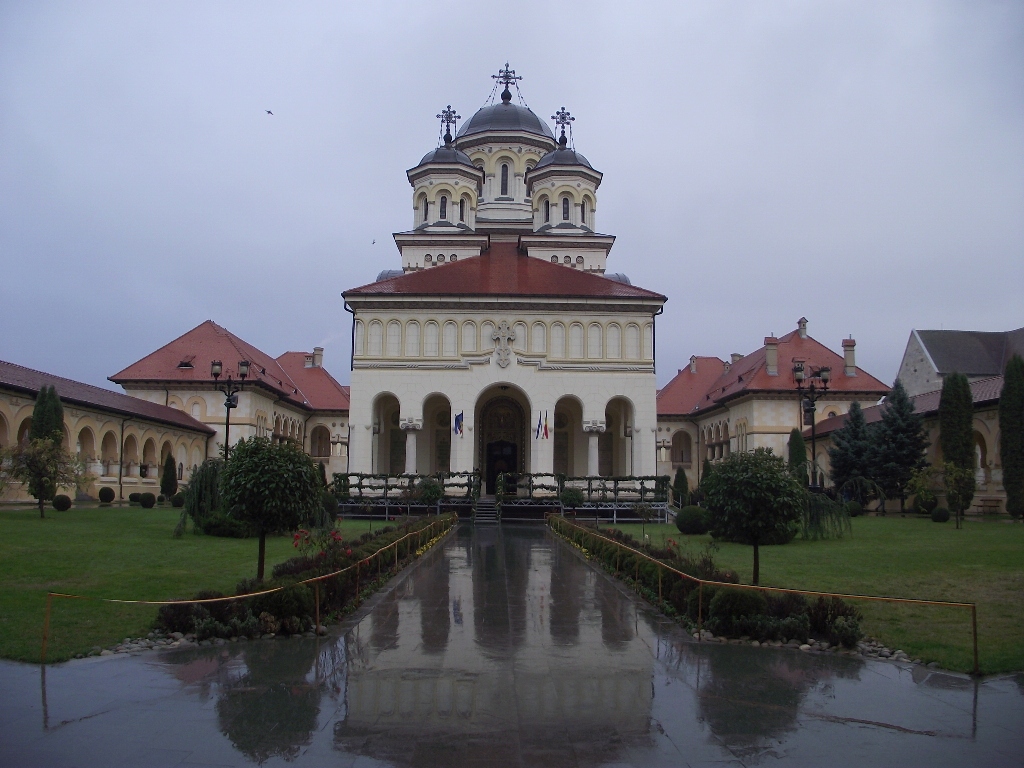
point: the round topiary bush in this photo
(106, 495)
(134, 498)
(729, 604)
(178, 500)
(147, 500)
(161, 499)
(571, 498)
(940, 515)
(61, 502)
(692, 521)
(854, 509)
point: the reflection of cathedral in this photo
(503, 316)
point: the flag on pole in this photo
(540, 425)
(458, 423)
(545, 425)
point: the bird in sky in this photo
(268, 111)
(373, 243)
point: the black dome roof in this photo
(505, 117)
(447, 155)
(562, 156)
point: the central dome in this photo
(505, 117)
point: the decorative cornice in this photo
(594, 425)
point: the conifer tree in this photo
(1011, 435)
(169, 478)
(956, 438)
(899, 444)
(798, 456)
(47, 417)
(681, 488)
(850, 455)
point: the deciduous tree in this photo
(956, 438)
(753, 498)
(274, 487)
(1011, 435)
(44, 466)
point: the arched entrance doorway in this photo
(501, 434)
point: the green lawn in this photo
(906, 557)
(125, 553)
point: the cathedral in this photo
(503, 344)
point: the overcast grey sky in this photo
(860, 163)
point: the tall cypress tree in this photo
(850, 455)
(169, 478)
(956, 438)
(681, 488)
(47, 417)
(798, 456)
(899, 444)
(1011, 435)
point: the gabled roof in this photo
(503, 271)
(186, 360)
(983, 392)
(322, 391)
(683, 394)
(750, 373)
(972, 353)
(71, 392)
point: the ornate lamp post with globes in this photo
(230, 388)
(816, 387)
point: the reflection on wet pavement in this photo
(503, 648)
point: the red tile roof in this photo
(750, 374)
(73, 392)
(503, 270)
(320, 388)
(209, 341)
(681, 395)
(983, 391)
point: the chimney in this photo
(693, 363)
(771, 355)
(801, 325)
(318, 357)
(736, 357)
(850, 357)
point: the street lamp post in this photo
(816, 387)
(230, 389)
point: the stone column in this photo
(411, 427)
(593, 429)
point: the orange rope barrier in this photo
(701, 582)
(315, 580)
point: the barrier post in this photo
(46, 626)
(974, 633)
(700, 612)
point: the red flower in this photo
(348, 552)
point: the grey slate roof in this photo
(973, 353)
(505, 117)
(563, 157)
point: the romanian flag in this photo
(458, 423)
(545, 425)
(540, 426)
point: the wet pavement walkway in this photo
(503, 648)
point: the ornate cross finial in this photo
(507, 77)
(448, 118)
(562, 118)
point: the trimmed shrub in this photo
(854, 509)
(178, 500)
(179, 616)
(210, 627)
(940, 515)
(61, 502)
(730, 604)
(845, 631)
(429, 491)
(571, 497)
(296, 600)
(835, 620)
(147, 500)
(106, 495)
(134, 498)
(783, 605)
(220, 524)
(693, 602)
(693, 521)
(160, 499)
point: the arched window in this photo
(504, 179)
(565, 209)
(444, 208)
(554, 259)
(547, 211)
(462, 209)
(583, 212)
(425, 209)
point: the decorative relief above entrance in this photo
(503, 338)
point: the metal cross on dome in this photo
(448, 118)
(562, 118)
(506, 76)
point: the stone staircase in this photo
(486, 511)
